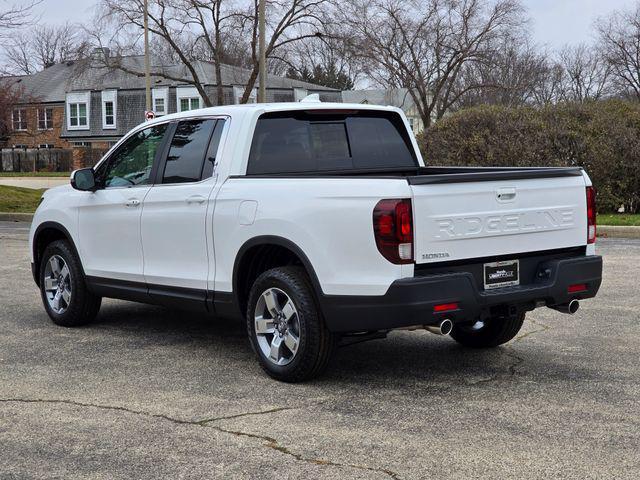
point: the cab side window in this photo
(132, 162)
(189, 146)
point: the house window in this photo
(109, 99)
(187, 98)
(20, 119)
(78, 110)
(20, 146)
(46, 145)
(158, 106)
(78, 114)
(45, 118)
(82, 144)
(187, 104)
(109, 118)
(160, 100)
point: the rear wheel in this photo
(64, 293)
(286, 330)
(488, 333)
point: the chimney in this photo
(100, 54)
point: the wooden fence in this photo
(48, 159)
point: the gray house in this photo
(95, 104)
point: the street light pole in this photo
(262, 89)
(147, 67)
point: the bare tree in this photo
(216, 31)
(424, 45)
(509, 76)
(43, 46)
(15, 15)
(550, 87)
(325, 60)
(619, 37)
(586, 73)
(10, 95)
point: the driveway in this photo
(147, 392)
(34, 182)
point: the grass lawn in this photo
(619, 219)
(19, 200)
(35, 174)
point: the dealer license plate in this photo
(501, 274)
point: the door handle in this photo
(132, 202)
(196, 199)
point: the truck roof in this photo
(260, 108)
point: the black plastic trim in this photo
(483, 174)
(170, 296)
(221, 300)
(35, 266)
(410, 301)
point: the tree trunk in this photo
(251, 83)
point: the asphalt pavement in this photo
(150, 393)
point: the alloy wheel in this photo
(57, 284)
(277, 326)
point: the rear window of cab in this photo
(325, 141)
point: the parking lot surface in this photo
(147, 392)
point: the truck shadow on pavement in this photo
(402, 359)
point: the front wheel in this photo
(488, 333)
(286, 330)
(63, 289)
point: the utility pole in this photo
(262, 88)
(147, 67)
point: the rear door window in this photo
(307, 142)
(185, 161)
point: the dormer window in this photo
(109, 107)
(78, 111)
(160, 100)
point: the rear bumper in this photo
(410, 301)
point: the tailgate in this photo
(477, 219)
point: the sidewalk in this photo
(34, 182)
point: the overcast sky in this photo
(554, 22)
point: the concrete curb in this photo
(603, 230)
(15, 217)
(618, 232)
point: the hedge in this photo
(602, 137)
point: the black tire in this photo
(83, 305)
(496, 331)
(316, 343)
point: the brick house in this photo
(37, 121)
(86, 104)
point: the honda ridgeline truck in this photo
(317, 224)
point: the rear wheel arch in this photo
(262, 253)
(45, 234)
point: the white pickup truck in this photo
(318, 224)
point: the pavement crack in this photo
(543, 328)
(273, 444)
(245, 414)
(513, 368)
(268, 442)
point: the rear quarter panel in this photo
(329, 219)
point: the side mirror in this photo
(83, 180)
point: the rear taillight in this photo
(393, 230)
(591, 215)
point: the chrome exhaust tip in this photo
(569, 308)
(443, 328)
